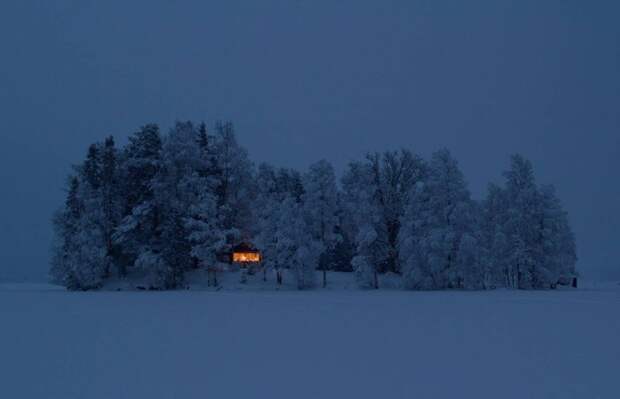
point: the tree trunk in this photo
(376, 280)
(211, 277)
(324, 277)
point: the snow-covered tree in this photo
(205, 224)
(141, 162)
(142, 159)
(475, 271)
(66, 223)
(88, 260)
(521, 225)
(527, 233)
(267, 203)
(494, 247)
(362, 221)
(111, 199)
(438, 238)
(290, 181)
(202, 225)
(379, 187)
(164, 205)
(177, 189)
(234, 185)
(80, 256)
(295, 245)
(156, 232)
(393, 176)
(320, 208)
(274, 188)
(557, 239)
(90, 170)
(369, 252)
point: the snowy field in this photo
(335, 343)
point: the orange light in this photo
(246, 257)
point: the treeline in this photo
(167, 204)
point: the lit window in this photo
(246, 257)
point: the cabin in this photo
(245, 255)
(248, 258)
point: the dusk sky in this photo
(309, 80)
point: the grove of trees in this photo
(166, 204)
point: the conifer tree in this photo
(111, 199)
(140, 226)
(66, 224)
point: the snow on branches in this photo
(166, 204)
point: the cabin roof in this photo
(245, 247)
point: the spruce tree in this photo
(141, 217)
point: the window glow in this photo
(246, 257)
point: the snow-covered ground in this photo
(335, 343)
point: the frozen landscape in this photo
(253, 341)
(305, 199)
